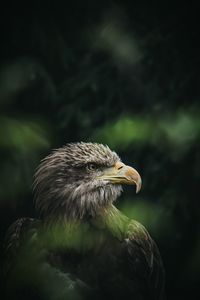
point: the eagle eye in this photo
(91, 167)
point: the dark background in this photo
(122, 73)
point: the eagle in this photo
(82, 246)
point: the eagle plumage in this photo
(82, 246)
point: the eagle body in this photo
(83, 247)
(118, 262)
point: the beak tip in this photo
(138, 186)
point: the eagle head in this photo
(78, 179)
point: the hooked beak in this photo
(122, 174)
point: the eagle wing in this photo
(145, 260)
(29, 271)
(17, 234)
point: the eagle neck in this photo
(113, 220)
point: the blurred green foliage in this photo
(177, 131)
(23, 136)
(122, 75)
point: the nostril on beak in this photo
(119, 167)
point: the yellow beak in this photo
(122, 174)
